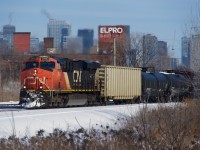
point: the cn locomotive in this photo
(59, 82)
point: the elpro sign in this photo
(104, 30)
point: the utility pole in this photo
(114, 52)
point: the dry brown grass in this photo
(9, 91)
(9, 96)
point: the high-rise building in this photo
(35, 45)
(87, 36)
(195, 49)
(162, 48)
(162, 57)
(1, 37)
(150, 49)
(57, 29)
(154, 53)
(8, 31)
(1, 34)
(21, 42)
(173, 63)
(185, 46)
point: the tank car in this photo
(165, 87)
(48, 81)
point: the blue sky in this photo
(165, 19)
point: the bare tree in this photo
(134, 55)
(122, 46)
(145, 52)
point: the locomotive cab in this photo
(39, 77)
(38, 74)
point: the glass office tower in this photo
(57, 29)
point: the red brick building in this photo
(48, 44)
(107, 34)
(106, 37)
(21, 42)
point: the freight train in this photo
(60, 82)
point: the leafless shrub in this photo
(165, 128)
(10, 67)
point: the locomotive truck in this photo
(59, 82)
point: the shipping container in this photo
(119, 83)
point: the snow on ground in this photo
(27, 122)
(10, 102)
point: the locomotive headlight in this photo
(24, 86)
(35, 71)
(41, 87)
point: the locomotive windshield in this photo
(47, 65)
(29, 65)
